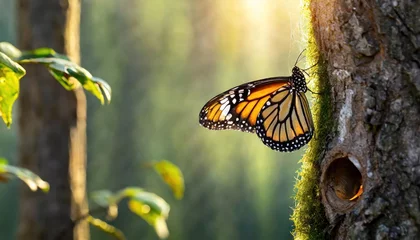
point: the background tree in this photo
(52, 125)
(369, 51)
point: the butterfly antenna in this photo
(311, 66)
(304, 70)
(297, 60)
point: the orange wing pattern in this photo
(276, 108)
(238, 108)
(285, 122)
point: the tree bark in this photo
(52, 125)
(371, 53)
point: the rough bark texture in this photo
(52, 125)
(372, 56)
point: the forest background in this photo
(164, 60)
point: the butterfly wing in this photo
(285, 121)
(239, 107)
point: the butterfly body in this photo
(275, 108)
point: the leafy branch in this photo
(33, 181)
(149, 206)
(69, 74)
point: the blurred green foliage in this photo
(149, 206)
(33, 181)
(164, 60)
(70, 75)
(67, 72)
(171, 175)
(10, 74)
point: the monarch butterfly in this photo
(275, 108)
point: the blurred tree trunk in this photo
(52, 125)
(371, 53)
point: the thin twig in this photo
(76, 221)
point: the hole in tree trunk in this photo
(343, 183)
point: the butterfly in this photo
(275, 108)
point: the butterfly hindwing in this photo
(285, 122)
(238, 108)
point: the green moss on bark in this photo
(308, 215)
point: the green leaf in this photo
(3, 177)
(85, 78)
(102, 197)
(42, 53)
(66, 71)
(63, 79)
(156, 203)
(172, 176)
(106, 227)
(10, 50)
(153, 209)
(128, 192)
(31, 179)
(104, 86)
(149, 206)
(10, 73)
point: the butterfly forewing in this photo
(239, 107)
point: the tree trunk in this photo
(371, 53)
(52, 125)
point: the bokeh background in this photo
(164, 60)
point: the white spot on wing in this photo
(222, 107)
(226, 111)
